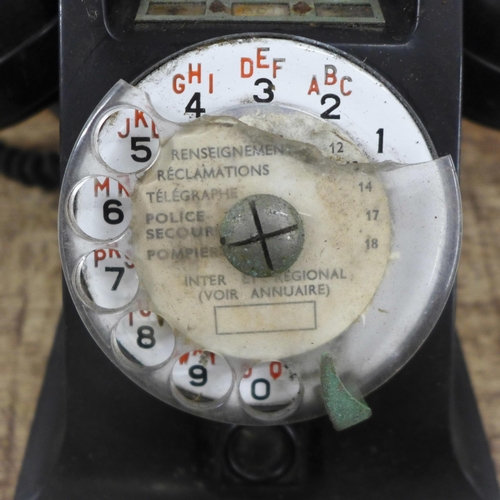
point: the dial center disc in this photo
(265, 291)
(262, 235)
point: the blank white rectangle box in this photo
(265, 318)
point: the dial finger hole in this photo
(269, 389)
(202, 377)
(128, 140)
(144, 338)
(101, 207)
(107, 278)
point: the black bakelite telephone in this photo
(260, 226)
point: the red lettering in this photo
(192, 74)
(276, 66)
(184, 359)
(127, 129)
(113, 251)
(121, 190)
(131, 319)
(155, 132)
(261, 58)
(248, 373)
(211, 83)
(98, 256)
(104, 186)
(177, 87)
(314, 86)
(330, 74)
(145, 314)
(275, 369)
(343, 91)
(139, 117)
(246, 62)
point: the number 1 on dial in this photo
(380, 133)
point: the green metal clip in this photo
(343, 409)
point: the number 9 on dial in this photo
(202, 377)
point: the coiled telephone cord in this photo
(32, 168)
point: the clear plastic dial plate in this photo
(160, 165)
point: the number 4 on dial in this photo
(194, 106)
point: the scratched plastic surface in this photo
(415, 278)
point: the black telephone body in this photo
(98, 435)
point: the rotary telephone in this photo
(259, 227)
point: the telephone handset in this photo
(259, 230)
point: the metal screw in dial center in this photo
(262, 235)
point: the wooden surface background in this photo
(30, 297)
